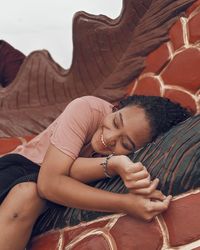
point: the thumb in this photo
(157, 194)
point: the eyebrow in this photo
(122, 124)
(121, 119)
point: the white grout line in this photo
(189, 246)
(134, 87)
(164, 231)
(95, 232)
(185, 31)
(190, 192)
(61, 242)
(194, 13)
(171, 50)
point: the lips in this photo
(103, 142)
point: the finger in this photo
(160, 206)
(157, 194)
(140, 175)
(145, 188)
(137, 176)
(138, 166)
(137, 185)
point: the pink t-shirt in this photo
(71, 132)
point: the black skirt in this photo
(15, 169)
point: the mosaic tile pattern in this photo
(172, 70)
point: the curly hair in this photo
(162, 113)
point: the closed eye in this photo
(127, 146)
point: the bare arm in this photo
(90, 169)
(55, 185)
(134, 175)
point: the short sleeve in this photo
(72, 127)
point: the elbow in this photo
(43, 188)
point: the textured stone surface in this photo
(184, 70)
(177, 227)
(194, 7)
(148, 86)
(181, 96)
(127, 234)
(10, 62)
(176, 35)
(9, 144)
(51, 242)
(89, 242)
(183, 219)
(194, 32)
(157, 59)
(72, 234)
(172, 70)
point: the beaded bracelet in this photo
(105, 166)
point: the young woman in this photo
(62, 155)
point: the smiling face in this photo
(122, 132)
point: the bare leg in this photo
(18, 213)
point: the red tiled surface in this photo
(176, 35)
(88, 243)
(183, 220)
(183, 70)
(9, 144)
(71, 234)
(153, 86)
(192, 8)
(127, 234)
(178, 227)
(194, 30)
(172, 70)
(181, 97)
(157, 59)
(51, 242)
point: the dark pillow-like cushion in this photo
(175, 157)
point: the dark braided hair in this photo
(161, 112)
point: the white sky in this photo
(47, 24)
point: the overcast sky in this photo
(36, 24)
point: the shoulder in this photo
(94, 103)
(86, 107)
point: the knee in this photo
(26, 191)
(24, 201)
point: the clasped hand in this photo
(143, 199)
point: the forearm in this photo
(72, 193)
(90, 169)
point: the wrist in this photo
(120, 201)
(107, 165)
(115, 163)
